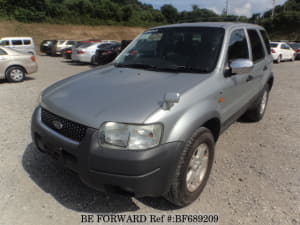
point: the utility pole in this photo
(273, 9)
(226, 7)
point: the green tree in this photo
(170, 12)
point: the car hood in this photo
(114, 94)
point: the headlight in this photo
(129, 136)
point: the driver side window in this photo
(238, 47)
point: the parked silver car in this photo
(86, 52)
(149, 123)
(14, 65)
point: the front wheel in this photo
(293, 58)
(15, 74)
(193, 168)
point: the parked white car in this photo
(282, 51)
(86, 52)
(22, 44)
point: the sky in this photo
(236, 7)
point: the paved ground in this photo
(255, 179)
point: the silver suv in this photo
(148, 123)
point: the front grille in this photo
(68, 129)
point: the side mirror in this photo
(241, 66)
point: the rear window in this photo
(27, 42)
(256, 46)
(17, 42)
(273, 45)
(104, 45)
(266, 40)
(86, 45)
(70, 42)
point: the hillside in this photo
(42, 31)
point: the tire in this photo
(278, 60)
(15, 74)
(184, 188)
(257, 112)
(93, 61)
(293, 58)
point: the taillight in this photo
(69, 51)
(298, 50)
(80, 52)
(273, 50)
(33, 58)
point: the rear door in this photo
(3, 62)
(258, 57)
(268, 58)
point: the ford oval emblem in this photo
(57, 125)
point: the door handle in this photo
(265, 68)
(249, 78)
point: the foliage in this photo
(97, 12)
(135, 13)
(286, 20)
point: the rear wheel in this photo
(279, 59)
(15, 74)
(93, 61)
(193, 168)
(256, 113)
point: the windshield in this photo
(183, 49)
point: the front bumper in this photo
(144, 173)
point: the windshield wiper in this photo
(176, 68)
(172, 68)
(135, 65)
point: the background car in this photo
(14, 65)
(86, 52)
(63, 44)
(47, 46)
(107, 53)
(296, 47)
(281, 52)
(124, 43)
(22, 44)
(67, 52)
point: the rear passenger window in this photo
(238, 48)
(16, 42)
(27, 42)
(266, 40)
(5, 43)
(256, 46)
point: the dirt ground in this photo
(44, 31)
(255, 177)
